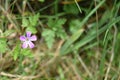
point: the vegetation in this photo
(73, 40)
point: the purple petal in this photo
(28, 34)
(31, 45)
(33, 38)
(22, 38)
(25, 45)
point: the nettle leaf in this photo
(16, 52)
(26, 52)
(25, 22)
(49, 36)
(3, 45)
(34, 20)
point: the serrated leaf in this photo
(27, 53)
(3, 45)
(49, 36)
(56, 26)
(61, 33)
(60, 22)
(33, 20)
(16, 52)
(31, 29)
(25, 22)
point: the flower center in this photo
(27, 39)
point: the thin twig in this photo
(84, 66)
(78, 6)
(56, 54)
(75, 71)
(112, 53)
(97, 35)
(18, 76)
(97, 27)
(18, 7)
(58, 48)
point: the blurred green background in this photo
(76, 39)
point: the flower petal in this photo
(28, 34)
(31, 45)
(22, 38)
(33, 38)
(25, 45)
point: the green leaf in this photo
(3, 45)
(31, 29)
(55, 30)
(16, 52)
(74, 26)
(51, 23)
(41, 0)
(60, 22)
(56, 26)
(27, 52)
(61, 33)
(34, 20)
(25, 22)
(71, 8)
(49, 36)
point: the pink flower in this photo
(27, 40)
